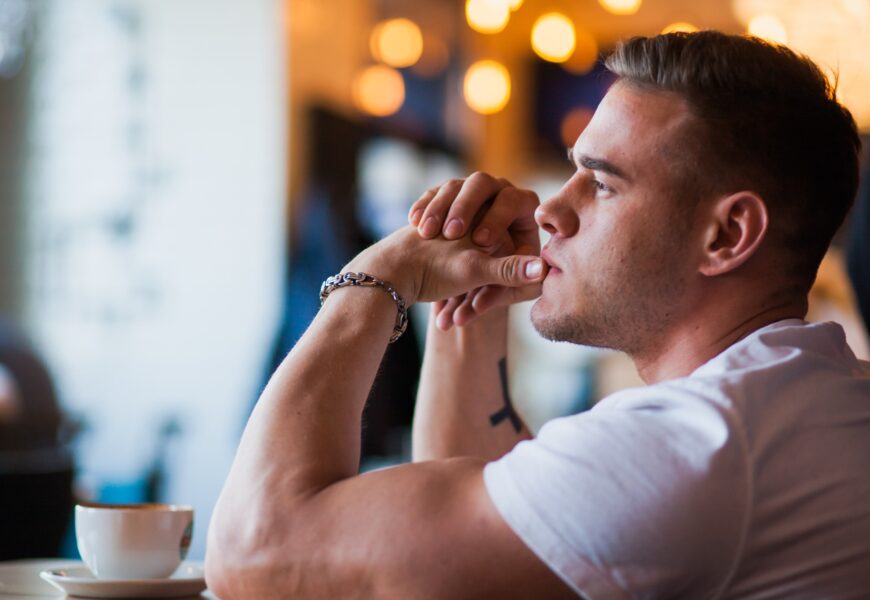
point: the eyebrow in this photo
(596, 164)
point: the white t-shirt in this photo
(750, 478)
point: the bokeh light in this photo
(585, 53)
(379, 90)
(858, 9)
(515, 4)
(620, 7)
(768, 27)
(397, 42)
(487, 16)
(553, 37)
(487, 87)
(680, 26)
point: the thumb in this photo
(513, 271)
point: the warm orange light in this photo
(768, 27)
(379, 90)
(553, 37)
(621, 7)
(515, 4)
(858, 9)
(397, 42)
(434, 58)
(487, 16)
(680, 26)
(487, 87)
(573, 124)
(585, 54)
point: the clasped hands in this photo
(472, 245)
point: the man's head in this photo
(732, 160)
(768, 121)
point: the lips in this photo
(553, 267)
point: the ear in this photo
(736, 227)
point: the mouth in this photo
(552, 268)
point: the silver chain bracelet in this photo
(366, 280)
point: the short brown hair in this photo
(770, 123)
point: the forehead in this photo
(640, 131)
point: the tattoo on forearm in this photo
(507, 411)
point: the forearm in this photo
(463, 403)
(304, 433)
(301, 446)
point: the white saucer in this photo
(188, 580)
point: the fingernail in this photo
(453, 229)
(415, 216)
(481, 236)
(430, 227)
(533, 269)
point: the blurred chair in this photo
(36, 466)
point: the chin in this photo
(563, 326)
(549, 323)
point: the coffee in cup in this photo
(133, 541)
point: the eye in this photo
(600, 187)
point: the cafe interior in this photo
(178, 178)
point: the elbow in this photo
(230, 558)
(244, 557)
(222, 572)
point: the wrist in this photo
(486, 333)
(366, 280)
(384, 267)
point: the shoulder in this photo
(650, 485)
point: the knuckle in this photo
(508, 195)
(508, 269)
(531, 197)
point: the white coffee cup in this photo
(133, 541)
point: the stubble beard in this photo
(627, 307)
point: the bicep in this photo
(422, 530)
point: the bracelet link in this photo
(365, 280)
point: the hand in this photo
(432, 270)
(501, 217)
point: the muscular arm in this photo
(463, 403)
(295, 520)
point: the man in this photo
(708, 185)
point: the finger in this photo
(464, 304)
(416, 211)
(510, 271)
(493, 296)
(465, 311)
(434, 213)
(444, 320)
(476, 191)
(512, 212)
(530, 248)
(437, 306)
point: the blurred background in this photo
(177, 178)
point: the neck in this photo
(710, 332)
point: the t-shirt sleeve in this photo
(639, 497)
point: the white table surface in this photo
(19, 579)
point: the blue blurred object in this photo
(558, 92)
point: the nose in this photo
(557, 217)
